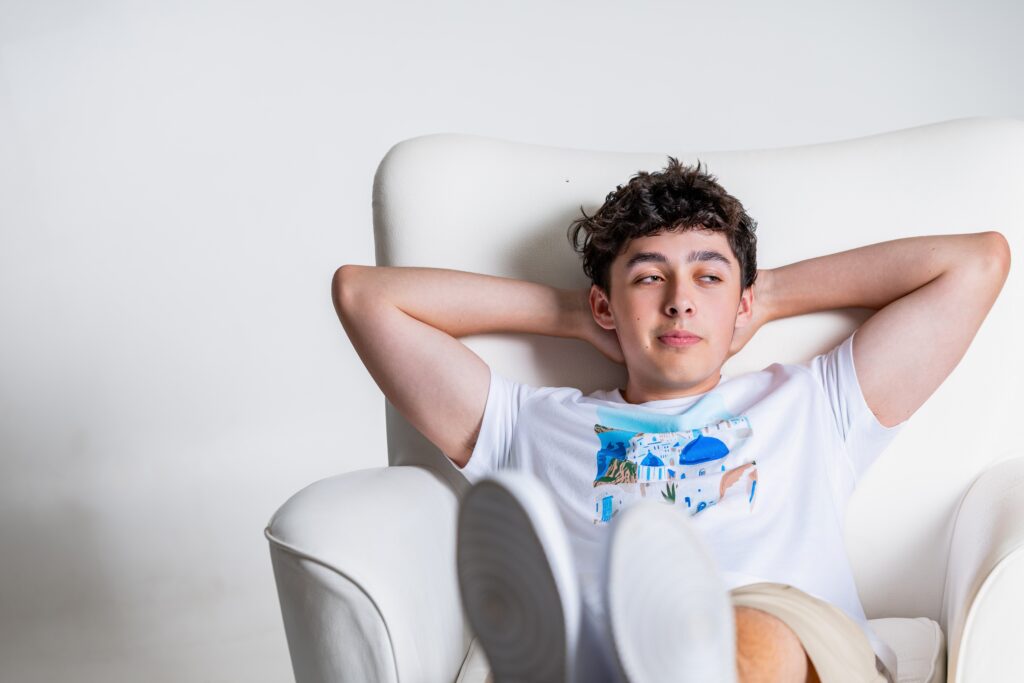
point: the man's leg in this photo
(768, 651)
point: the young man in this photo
(740, 571)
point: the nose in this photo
(680, 303)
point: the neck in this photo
(636, 392)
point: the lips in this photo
(678, 338)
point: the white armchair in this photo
(365, 561)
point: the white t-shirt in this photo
(763, 465)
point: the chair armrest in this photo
(365, 567)
(985, 579)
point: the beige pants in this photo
(835, 644)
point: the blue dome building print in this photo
(703, 449)
(652, 468)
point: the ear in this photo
(601, 308)
(745, 313)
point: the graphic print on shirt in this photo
(694, 460)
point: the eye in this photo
(645, 277)
(713, 277)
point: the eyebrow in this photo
(657, 257)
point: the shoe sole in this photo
(669, 615)
(516, 579)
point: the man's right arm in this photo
(404, 324)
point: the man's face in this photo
(669, 284)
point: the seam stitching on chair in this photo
(969, 619)
(465, 660)
(952, 537)
(298, 553)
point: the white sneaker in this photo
(517, 580)
(669, 615)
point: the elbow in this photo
(987, 263)
(343, 286)
(996, 253)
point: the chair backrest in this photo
(484, 205)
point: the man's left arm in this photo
(931, 295)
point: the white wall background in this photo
(178, 182)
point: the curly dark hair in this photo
(677, 198)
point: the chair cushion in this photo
(918, 643)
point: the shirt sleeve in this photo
(864, 437)
(492, 452)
